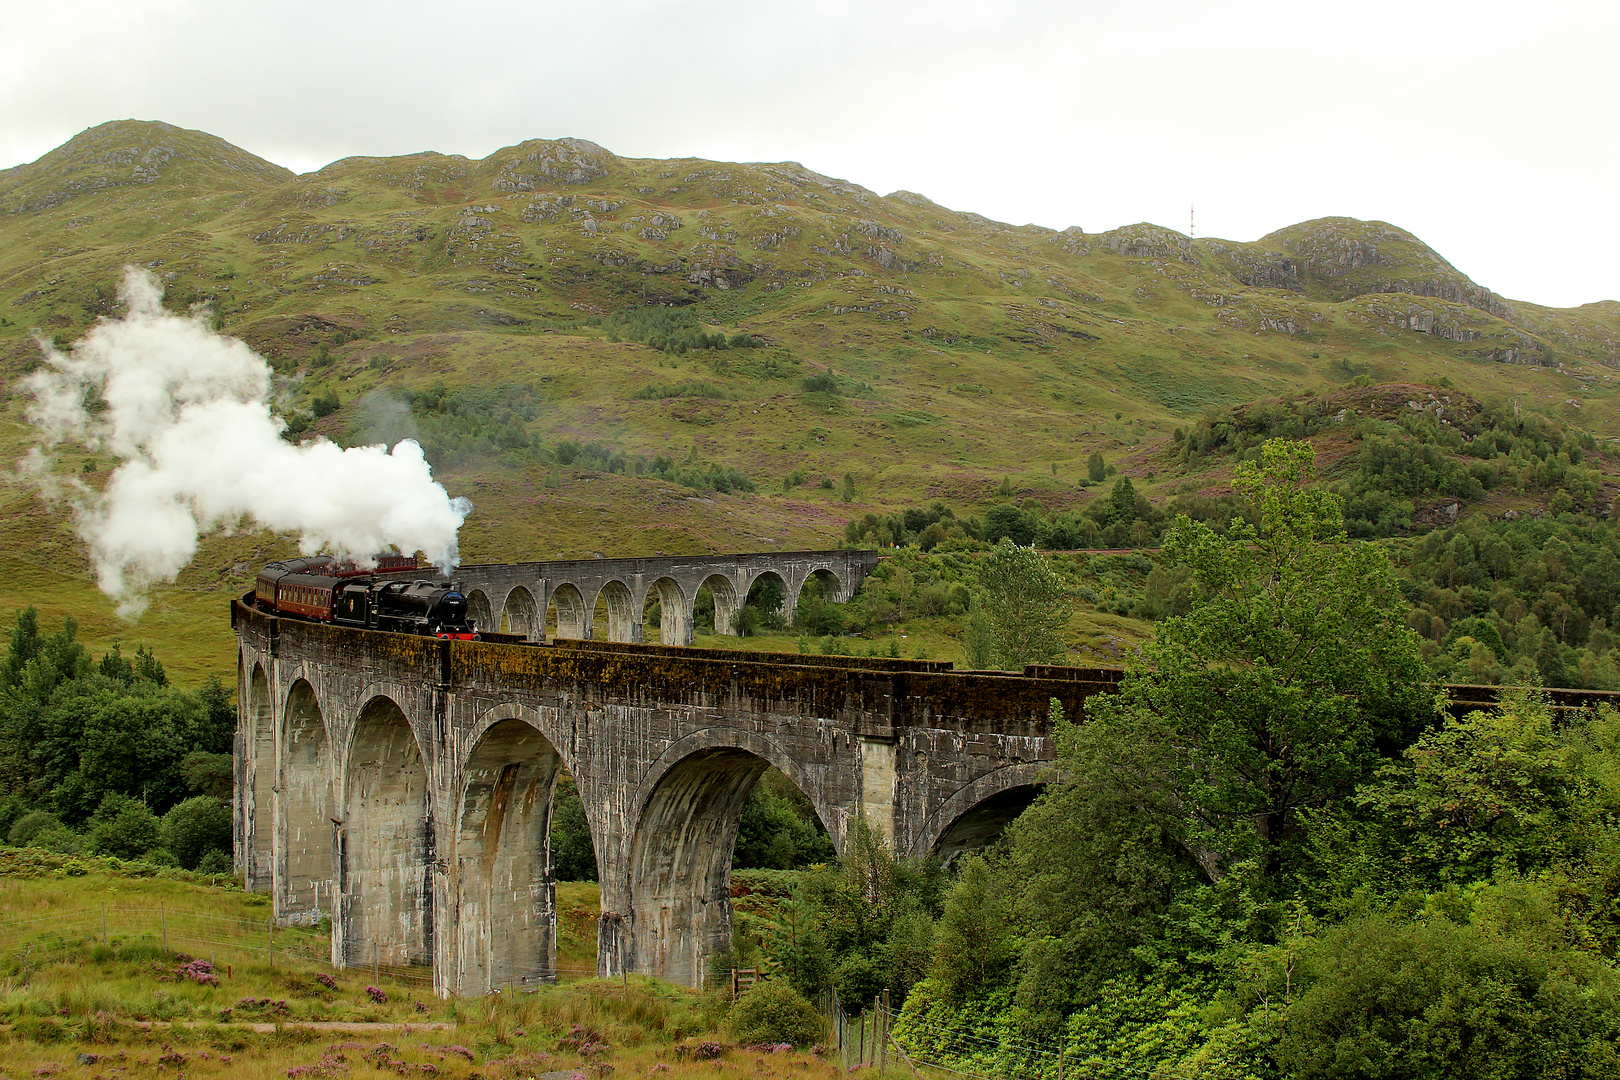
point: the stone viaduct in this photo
(517, 597)
(403, 785)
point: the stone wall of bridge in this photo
(403, 785)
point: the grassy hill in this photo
(555, 295)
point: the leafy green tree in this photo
(1384, 998)
(979, 640)
(1026, 603)
(778, 829)
(1011, 522)
(134, 744)
(30, 825)
(195, 827)
(24, 647)
(1096, 469)
(1496, 789)
(573, 855)
(1293, 668)
(124, 827)
(973, 942)
(208, 774)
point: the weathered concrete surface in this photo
(403, 785)
(519, 596)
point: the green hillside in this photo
(549, 321)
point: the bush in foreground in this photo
(774, 1012)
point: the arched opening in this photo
(680, 863)
(309, 864)
(673, 612)
(982, 824)
(779, 828)
(615, 617)
(569, 615)
(388, 844)
(765, 610)
(521, 613)
(478, 610)
(576, 880)
(816, 610)
(714, 608)
(258, 875)
(507, 899)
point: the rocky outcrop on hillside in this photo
(134, 153)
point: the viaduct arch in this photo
(403, 785)
(515, 597)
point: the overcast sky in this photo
(1488, 129)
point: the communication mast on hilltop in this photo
(1192, 219)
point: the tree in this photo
(1026, 603)
(124, 827)
(978, 640)
(973, 942)
(1291, 673)
(1436, 999)
(1495, 789)
(1122, 502)
(573, 855)
(195, 827)
(774, 1012)
(1096, 470)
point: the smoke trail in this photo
(185, 409)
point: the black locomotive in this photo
(383, 597)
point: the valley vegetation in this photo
(1271, 854)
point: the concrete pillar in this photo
(679, 867)
(389, 844)
(877, 786)
(727, 602)
(573, 617)
(522, 614)
(259, 809)
(503, 904)
(674, 613)
(624, 617)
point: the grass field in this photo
(93, 961)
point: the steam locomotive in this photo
(380, 598)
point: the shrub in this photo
(858, 979)
(774, 1012)
(123, 827)
(58, 839)
(217, 861)
(30, 825)
(196, 827)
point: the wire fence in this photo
(865, 1039)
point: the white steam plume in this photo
(185, 410)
